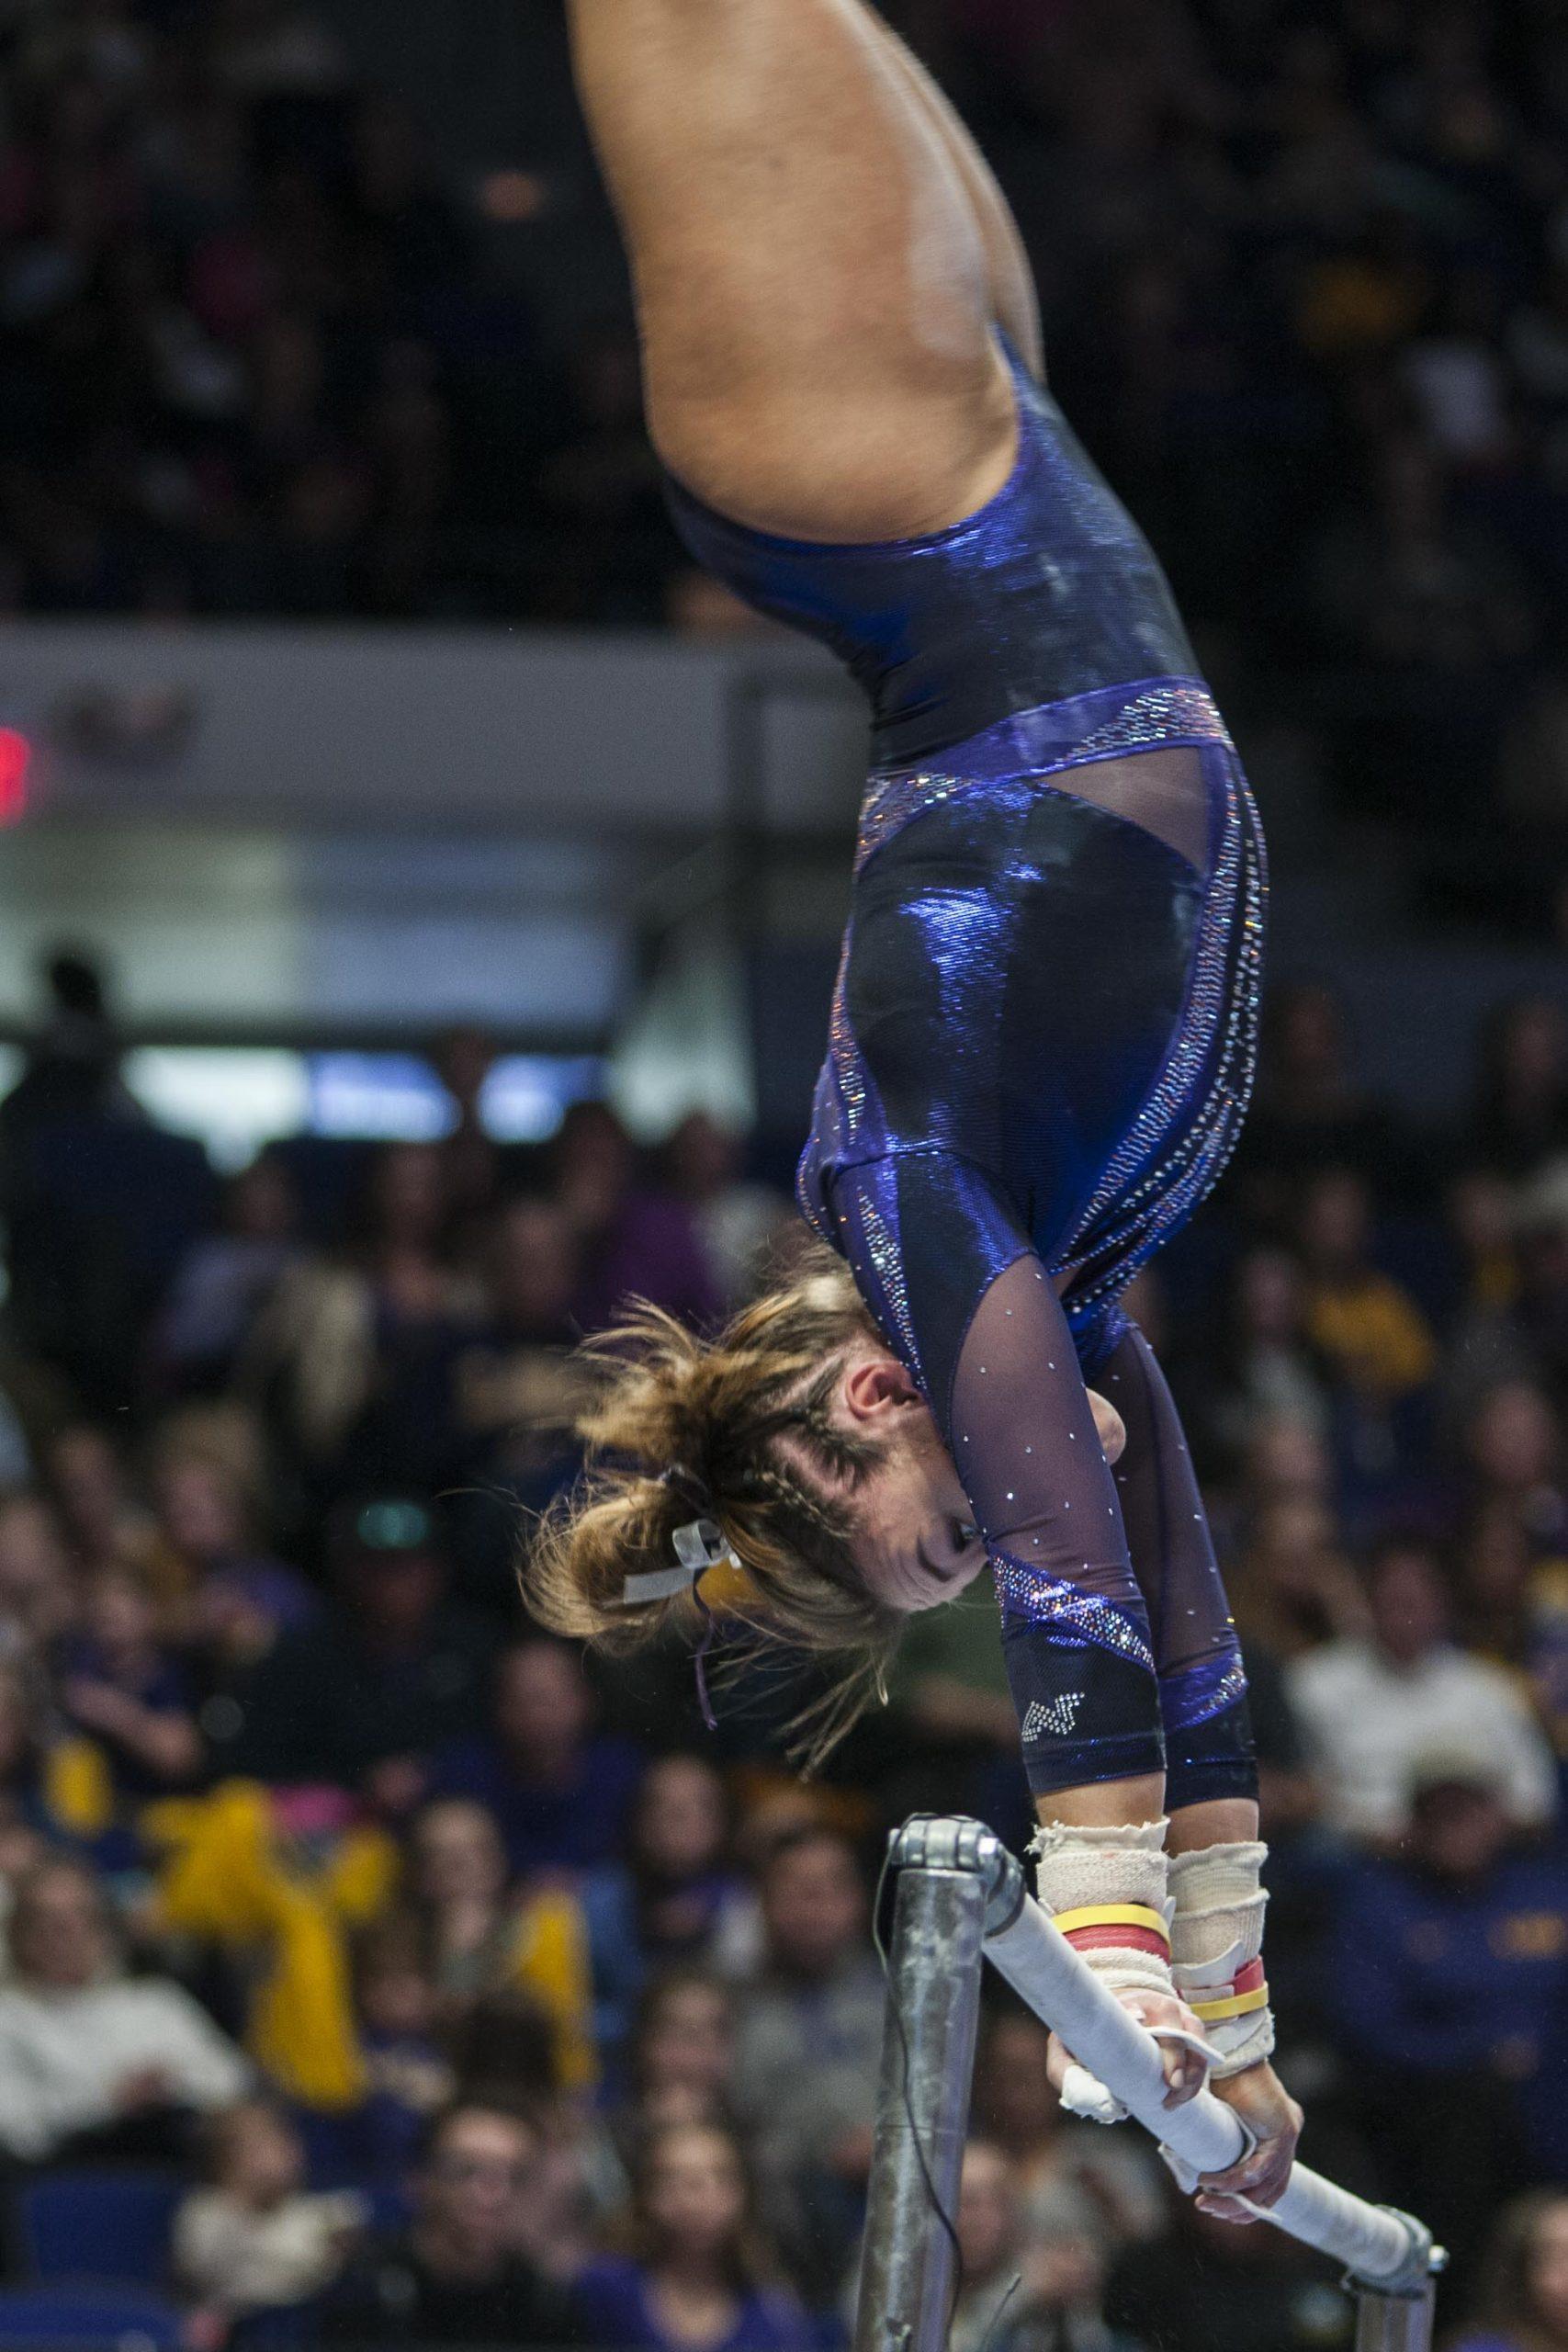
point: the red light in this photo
(15, 759)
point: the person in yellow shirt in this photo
(1363, 1321)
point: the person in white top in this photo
(1371, 1708)
(84, 2049)
(254, 2239)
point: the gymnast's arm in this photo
(943, 1260)
(949, 1273)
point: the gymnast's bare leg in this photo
(813, 283)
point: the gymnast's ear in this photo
(876, 1390)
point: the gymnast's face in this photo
(917, 1545)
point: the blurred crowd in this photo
(448, 1989)
(1305, 267)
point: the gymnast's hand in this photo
(1270, 2113)
(1176, 2030)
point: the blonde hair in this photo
(747, 1417)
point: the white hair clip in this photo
(699, 1546)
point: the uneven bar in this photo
(960, 1895)
(1377, 2245)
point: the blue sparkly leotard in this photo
(1041, 1049)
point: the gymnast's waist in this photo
(1031, 746)
(1048, 592)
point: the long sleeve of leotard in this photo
(950, 1274)
(1110, 1659)
(1202, 1683)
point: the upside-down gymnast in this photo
(1044, 1034)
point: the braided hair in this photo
(741, 1427)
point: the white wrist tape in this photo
(1216, 1949)
(1108, 1890)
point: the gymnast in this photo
(1044, 1034)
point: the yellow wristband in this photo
(1235, 2004)
(1112, 1915)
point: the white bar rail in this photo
(1376, 2244)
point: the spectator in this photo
(1514, 1448)
(486, 1406)
(1448, 1984)
(678, 2064)
(1265, 1366)
(332, 1328)
(1480, 1223)
(1019, 2290)
(73, 1064)
(94, 1198)
(1363, 1323)
(101, 1519)
(126, 1692)
(673, 1898)
(699, 2272)
(633, 1243)
(1371, 1707)
(454, 2277)
(407, 2076)
(560, 1791)
(1524, 2305)
(1518, 1116)
(483, 1936)
(739, 1223)
(91, 2062)
(392, 1670)
(464, 1059)
(1292, 1587)
(38, 1594)
(1287, 1793)
(1495, 1573)
(1310, 1114)
(26, 1824)
(225, 1278)
(1287, 1461)
(682, 2049)
(238, 1599)
(460, 1891)
(1077, 2184)
(990, 2239)
(809, 2050)
(958, 1725)
(1523, 1334)
(252, 2239)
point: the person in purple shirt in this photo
(1446, 1979)
(561, 1792)
(700, 2278)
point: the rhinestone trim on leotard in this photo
(1072, 1612)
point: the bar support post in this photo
(1396, 2322)
(949, 1876)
